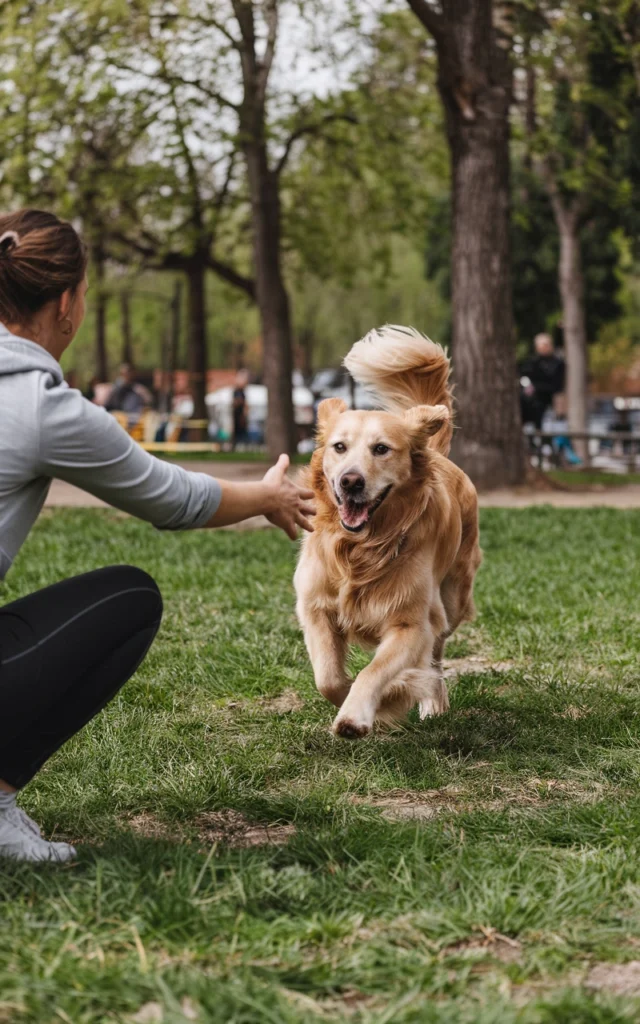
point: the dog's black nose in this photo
(353, 483)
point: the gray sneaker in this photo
(29, 822)
(20, 839)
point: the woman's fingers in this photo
(307, 510)
(306, 494)
(304, 523)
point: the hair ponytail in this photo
(41, 257)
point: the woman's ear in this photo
(65, 303)
(426, 420)
(328, 412)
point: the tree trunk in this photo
(574, 326)
(474, 79)
(197, 341)
(102, 364)
(273, 301)
(174, 342)
(271, 293)
(125, 326)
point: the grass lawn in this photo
(592, 477)
(251, 455)
(483, 867)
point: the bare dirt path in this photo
(65, 495)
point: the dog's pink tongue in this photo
(355, 515)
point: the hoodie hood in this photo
(17, 355)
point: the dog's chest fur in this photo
(364, 598)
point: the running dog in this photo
(395, 549)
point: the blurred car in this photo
(220, 407)
(336, 383)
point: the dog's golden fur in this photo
(401, 578)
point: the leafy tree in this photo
(582, 115)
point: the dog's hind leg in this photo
(422, 686)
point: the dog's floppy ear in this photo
(328, 411)
(425, 420)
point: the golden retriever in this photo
(392, 560)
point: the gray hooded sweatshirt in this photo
(48, 429)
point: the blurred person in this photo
(128, 395)
(541, 376)
(90, 390)
(66, 650)
(542, 383)
(240, 417)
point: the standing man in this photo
(542, 377)
(240, 435)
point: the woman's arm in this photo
(81, 443)
(284, 503)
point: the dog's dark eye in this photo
(339, 447)
(381, 449)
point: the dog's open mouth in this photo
(354, 514)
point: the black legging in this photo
(64, 653)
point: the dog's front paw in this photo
(350, 729)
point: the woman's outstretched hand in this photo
(288, 506)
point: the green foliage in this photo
(121, 116)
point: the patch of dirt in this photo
(619, 979)
(232, 828)
(153, 1013)
(454, 667)
(149, 1013)
(573, 712)
(348, 1002)
(148, 826)
(228, 827)
(501, 947)
(407, 805)
(283, 704)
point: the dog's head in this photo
(367, 456)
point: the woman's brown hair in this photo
(41, 257)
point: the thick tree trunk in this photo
(574, 326)
(273, 301)
(488, 445)
(271, 293)
(125, 327)
(474, 79)
(102, 363)
(197, 340)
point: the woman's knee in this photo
(132, 582)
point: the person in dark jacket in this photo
(541, 377)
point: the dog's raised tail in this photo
(403, 368)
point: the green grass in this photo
(357, 917)
(591, 477)
(252, 455)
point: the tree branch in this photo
(231, 276)
(310, 129)
(172, 79)
(264, 66)
(565, 211)
(208, 22)
(430, 18)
